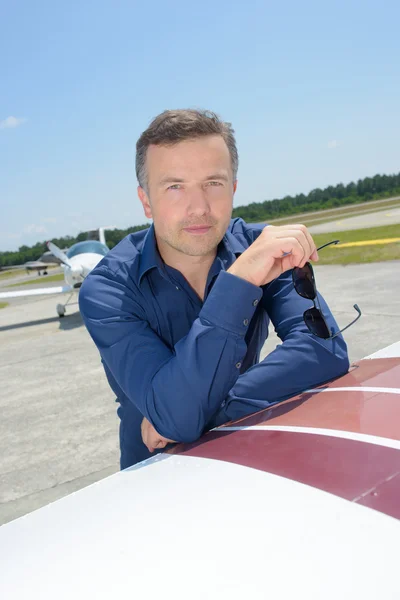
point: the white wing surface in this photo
(38, 292)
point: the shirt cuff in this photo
(231, 303)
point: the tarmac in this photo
(380, 218)
(58, 427)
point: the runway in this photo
(59, 429)
(380, 218)
(7, 285)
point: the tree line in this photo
(369, 188)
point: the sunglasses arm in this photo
(328, 244)
(350, 324)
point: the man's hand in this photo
(276, 250)
(151, 438)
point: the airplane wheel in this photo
(61, 310)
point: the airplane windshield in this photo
(85, 247)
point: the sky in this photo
(311, 88)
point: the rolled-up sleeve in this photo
(178, 390)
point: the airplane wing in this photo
(38, 292)
(300, 500)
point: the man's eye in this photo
(212, 183)
(176, 186)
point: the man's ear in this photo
(234, 186)
(145, 202)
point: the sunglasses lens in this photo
(316, 323)
(303, 280)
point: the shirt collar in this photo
(151, 259)
(232, 243)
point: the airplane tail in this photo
(102, 236)
(99, 234)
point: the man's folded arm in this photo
(177, 389)
(300, 362)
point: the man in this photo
(180, 312)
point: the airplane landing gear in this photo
(61, 308)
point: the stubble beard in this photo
(192, 245)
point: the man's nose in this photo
(198, 203)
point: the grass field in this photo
(359, 254)
(19, 272)
(9, 274)
(3, 304)
(45, 280)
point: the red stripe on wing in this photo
(357, 471)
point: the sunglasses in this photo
(304, 284)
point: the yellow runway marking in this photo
(368, 243)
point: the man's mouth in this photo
(198, 229)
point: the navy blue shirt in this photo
(186, 364)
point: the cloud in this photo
(333, 144)
(32, 228)
(50, 220)
(12, 122)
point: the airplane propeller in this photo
(76, 270)
(59, 254)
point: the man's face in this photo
(190, 194)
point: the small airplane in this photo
(31, 265)
(43, 263)
(77, 262)
(36, 265)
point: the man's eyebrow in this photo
(169, 179)
(217, 176)
(213, 177)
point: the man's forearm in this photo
(301, 362)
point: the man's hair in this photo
(174, 126)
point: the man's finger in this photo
(289, 245)
(312, 254)
(154, 445)
(151, 438)
(161, 443)
(313, 247)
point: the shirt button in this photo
(177, 288)
(238, 365)
(255, 302)
(245, 322)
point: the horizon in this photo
(149, 221)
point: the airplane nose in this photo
(76, 270)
